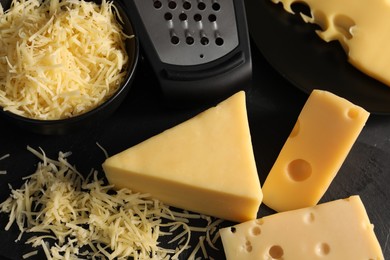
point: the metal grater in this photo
(199, 49)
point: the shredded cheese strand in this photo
(59, 59)
(3, 172)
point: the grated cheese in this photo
(30, 254)
(103, 150)
(73, 217)
(5, 156)
(3, 172)
(59, 59)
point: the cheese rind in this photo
(361, 27)
(339, 229)
(324, 133)
(205, 164)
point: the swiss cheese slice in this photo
(205, 164)
(324, 133)
(335, 230)
(362, 27)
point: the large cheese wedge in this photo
(334, 230)
(324, 133)
(205, 164)
(362, 27)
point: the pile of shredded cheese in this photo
(73, 217)
(59, 59)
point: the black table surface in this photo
(273, 105)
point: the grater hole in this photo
(168, 16)
(190, 40)
(175, 40)
(186, 5)
(212, 17)
(216, 6)
(204, 40)
(157, 4)
(182, 17)
(197, 17)
(201, 6)
(172, 4)
(219, 41)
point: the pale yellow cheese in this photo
(205, 164)
(59, 59)
(324, 133)
(362, 27)
(83, 218)
(337, 230)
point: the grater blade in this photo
(190, 32)
(198, 49)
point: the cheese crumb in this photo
(59, 59)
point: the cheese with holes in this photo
(321, 139)
(362, 28)
(338, 229)
(205, 164)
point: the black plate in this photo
(292, 47)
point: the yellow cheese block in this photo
(205, 164)
(362, 27)
(335, 230)
(324, 133)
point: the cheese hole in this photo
(301, 7)
(259, 221)
(344, 24)
(248, 246)
(299, 170)
(296, 129)
(319, 17)
(322, 249)
(309, 218)
(353, 113)
(255, 231)
(233, 229)
(276, 252)
(321, 20)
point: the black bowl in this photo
(97, 114)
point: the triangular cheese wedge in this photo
(205, 164)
